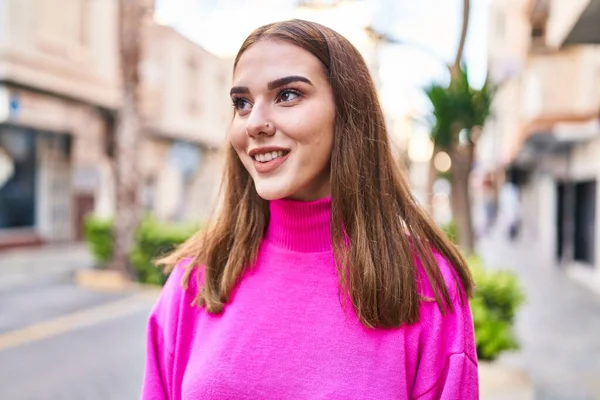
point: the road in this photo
(60, 342)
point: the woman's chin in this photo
(272, 193)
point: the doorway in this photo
(18, 188)
(576, 220)
(585, 222)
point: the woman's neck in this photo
(301, 226)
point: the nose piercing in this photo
(267, 125)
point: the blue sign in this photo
(14, 106)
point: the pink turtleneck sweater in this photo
(284, 335)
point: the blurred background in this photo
(113, 115)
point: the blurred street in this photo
(483, 129)
(81, 344)
(58, 341)
(558, 326)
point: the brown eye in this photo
(288, 95)
(240, 104)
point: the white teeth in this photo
(268, 156)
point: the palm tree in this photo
(128, 134)
(458, 108)
(454, 70)
(459, 111)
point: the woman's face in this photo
(282, 129)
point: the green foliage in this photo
(495, 304)
(457, 106)
(153, 239)
(440, 98)
(451, 231)
(98, 235)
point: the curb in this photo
(111, 281)
(501, 382)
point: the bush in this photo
(451, 231)
(494, 305)
(98, 235)
(152, 239)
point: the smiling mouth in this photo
(265, 163)
(267, 157)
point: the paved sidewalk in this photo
(559, 326)
(21, 266)
(60, 341)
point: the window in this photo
(18, 192)
(596, 88)
(193, 89)
(84, 23)
(500, 24)
(537, 32)
(585, 222)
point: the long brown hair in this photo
(379, 231)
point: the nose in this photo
(259, 123)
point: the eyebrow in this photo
(287, 80)
(273, 84)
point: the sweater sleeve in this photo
(160, 339)
(447, 366)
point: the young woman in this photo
(321, 277)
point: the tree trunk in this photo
(462, 159)
(128, 213)
(432, 175)
(460, 199)
(128, 135)
(455, 69)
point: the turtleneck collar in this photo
(301, 226)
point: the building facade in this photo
(545, 126)
(59, 96)
(58, 88)
(186, 110)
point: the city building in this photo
(59, 88)
(59, 96)
(545, 126)
(186, 109)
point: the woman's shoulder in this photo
(181, 288)
(175, 305)
(450, 277)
